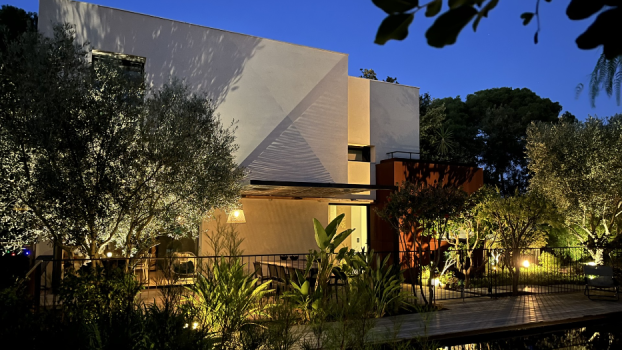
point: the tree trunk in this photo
(598, 254)
(516, 268)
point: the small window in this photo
(133, 65)
(359, 153)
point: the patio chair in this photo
(259, 272)
(293, 275)
(600, 278)
(183, 264)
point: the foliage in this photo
(607, 75)
(225, 240)
(225, 300)
(517, 221)
(371, 75)
(488, 128)
(448, 25)
(423, 213)
(577, 166)
(13, 23)
(89, 157)
(310, 293)
(369, 275)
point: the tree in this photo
(421, 215)
(448, 25)
(517, 221)
(489, 129)
(13, 23)
(88, 157)
(470, 231)
(371, 75)
(577, 166)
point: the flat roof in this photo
(202, 26)
(306, 189)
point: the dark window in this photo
(133, 65)
(359, 153)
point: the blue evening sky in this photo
(501, 53)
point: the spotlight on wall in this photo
(526, 263)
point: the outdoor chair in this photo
(600, 278)
(293, 275)
(259, 272)
(183, 264)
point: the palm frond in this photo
(607, 76)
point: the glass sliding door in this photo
(355, 218)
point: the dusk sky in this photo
(501, 53)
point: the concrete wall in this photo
(394, 118)
(290, 101)
(274, 226)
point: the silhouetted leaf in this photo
(457, 3)
(582, 9)
(396, 6)
(484, 12)
(535, 38)
(527, 16)
(604, 31)
(434, 8)
(394, 27)
(447, 26)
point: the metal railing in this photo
(460, 274)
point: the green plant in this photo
(311, 288)
(224, 300)
(88, 294)
(369, 275)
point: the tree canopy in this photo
(88, 157)
(14, 22)
(447, 26)
(577, 166)
(488, 128)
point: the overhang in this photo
(261, 188)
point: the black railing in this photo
(461, 274)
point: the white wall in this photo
(275, 226)
(394, 118)
(290, 101)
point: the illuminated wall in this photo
(290, 101)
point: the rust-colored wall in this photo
(396, 171)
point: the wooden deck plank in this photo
(489, 315)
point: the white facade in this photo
(296, 108)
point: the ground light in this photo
(526, 263)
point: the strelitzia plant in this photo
(307, 295)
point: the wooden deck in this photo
(483, 316)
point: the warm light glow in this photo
(526, 263)
(109, 254)
(236, 217)
(195, 325)
(436, 282)
(591, 263)
(186, 325)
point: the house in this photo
(315, 142)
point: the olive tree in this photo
(89, 157)
(578, 167)
(518, 222)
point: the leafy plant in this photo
(370, 275)
(225, 300)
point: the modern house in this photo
(315, 142)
